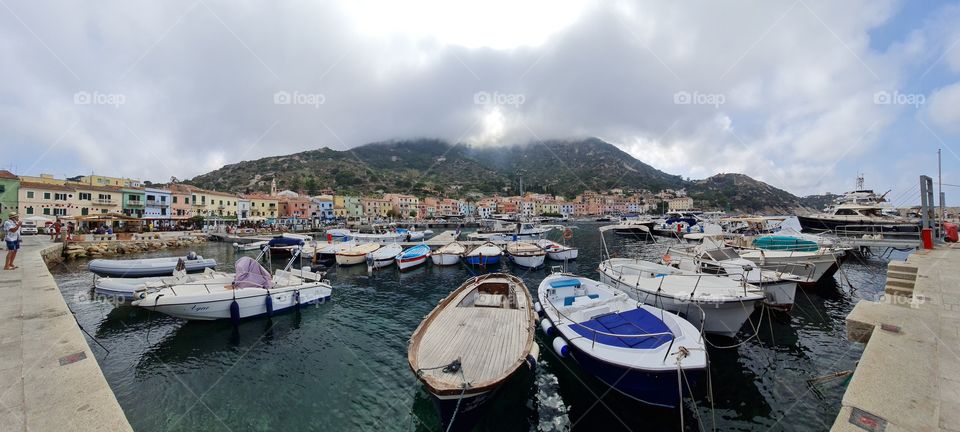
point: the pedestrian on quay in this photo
(11, 235)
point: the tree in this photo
(294, 183)
(311, 185)
(413, 213)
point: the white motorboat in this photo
(449, 254)
(527, 255)
(147, 267)
(287, 243)
(413, 257)
(131, 288)
(384, 237)
(253, 292)
(481, 334)
(386, 255)
(357, 254)
(557, 251)
(255, 246)
(714, 257)
(339, 233)
(497, 230)
(719, 304)
(637, 349)
(811, 267)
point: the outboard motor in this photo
(192, 256)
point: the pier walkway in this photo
(49, 378)
(908, 378)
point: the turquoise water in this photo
(342, 365)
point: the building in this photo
(180, 207)
(321, 208)
(9, 190)
(263, 206)
(403, 204)
(157, 203)
(99, 180)
(294, 210)
(98, 199)
(680, 204)
(243, 209)
(46, 199)
(375, 208)
(134, 201)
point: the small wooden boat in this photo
(386, 255)
(356, 255)
(472, 342)
(526, 255)
(413, 257)
(485, 254)
(557, 251)
(449, 254)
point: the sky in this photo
(801, 94)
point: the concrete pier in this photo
(908, 378)
(49, 378)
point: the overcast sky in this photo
(802, 94)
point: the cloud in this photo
(783, 91)
(944, 107)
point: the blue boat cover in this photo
(415, 252)
(786, 243)
(285, 241)
(634, 322)
(565, 283)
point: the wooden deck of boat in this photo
(490, 342)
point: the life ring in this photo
(567, 234)
(667, 258)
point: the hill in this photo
(436, 167)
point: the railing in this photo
(134, 204)
(157, 203)
(900, 232)
(104, 201)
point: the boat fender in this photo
(546, 327)
(560, 347)
(235, 312)
(538, 308)
(296, 297)
(269, 302)
(533, 356)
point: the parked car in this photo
(28, 228)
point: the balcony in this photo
(134, 204)
(199, 204)
(104, 201)
(156, 203)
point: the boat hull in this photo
(378, 264)
(780, 295)
(465, 417)
(409, 263)
(146, 268)
(349, 260)
(528, 261)
(811, 271)
(818, 224)
(249, 307)
(721, 318)
(567, 255)
(482, 260)
(445, 259)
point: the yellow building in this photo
(43, 179)
(376, 208)
(209, 203)
(262, 205)
(47, 199)
(99, 180)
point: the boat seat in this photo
(568, 300)
(489, 300)
(565, 283)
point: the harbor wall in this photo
(97, 249)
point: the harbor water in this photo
(343, 365)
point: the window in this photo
(186, 200)
(174, 200)
(29, 194)
(60, 196)
(29, 210)
(84, 211)
(151, 198)
(46, 195)
(104, 211)
(46, 211)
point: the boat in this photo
(557, 251)
(381, 234)
(677, 223)
(714, 257)
(811, 267)
(717, 304)
(338, 233)
(785, 242)
(412, 234)
(286, 243)
(384, 257)
(253, 292)
(634, 227)
(525, 254)
(243, 247)
(130, 288)
(498, 230)
(327, 253)
(146, 267)
(449, 254)
(636, 349)
(356, 255)
(857, 212)
(472, 342)
(413, 257)
(484, 254)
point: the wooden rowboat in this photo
(472, 342)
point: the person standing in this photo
(11, 235)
